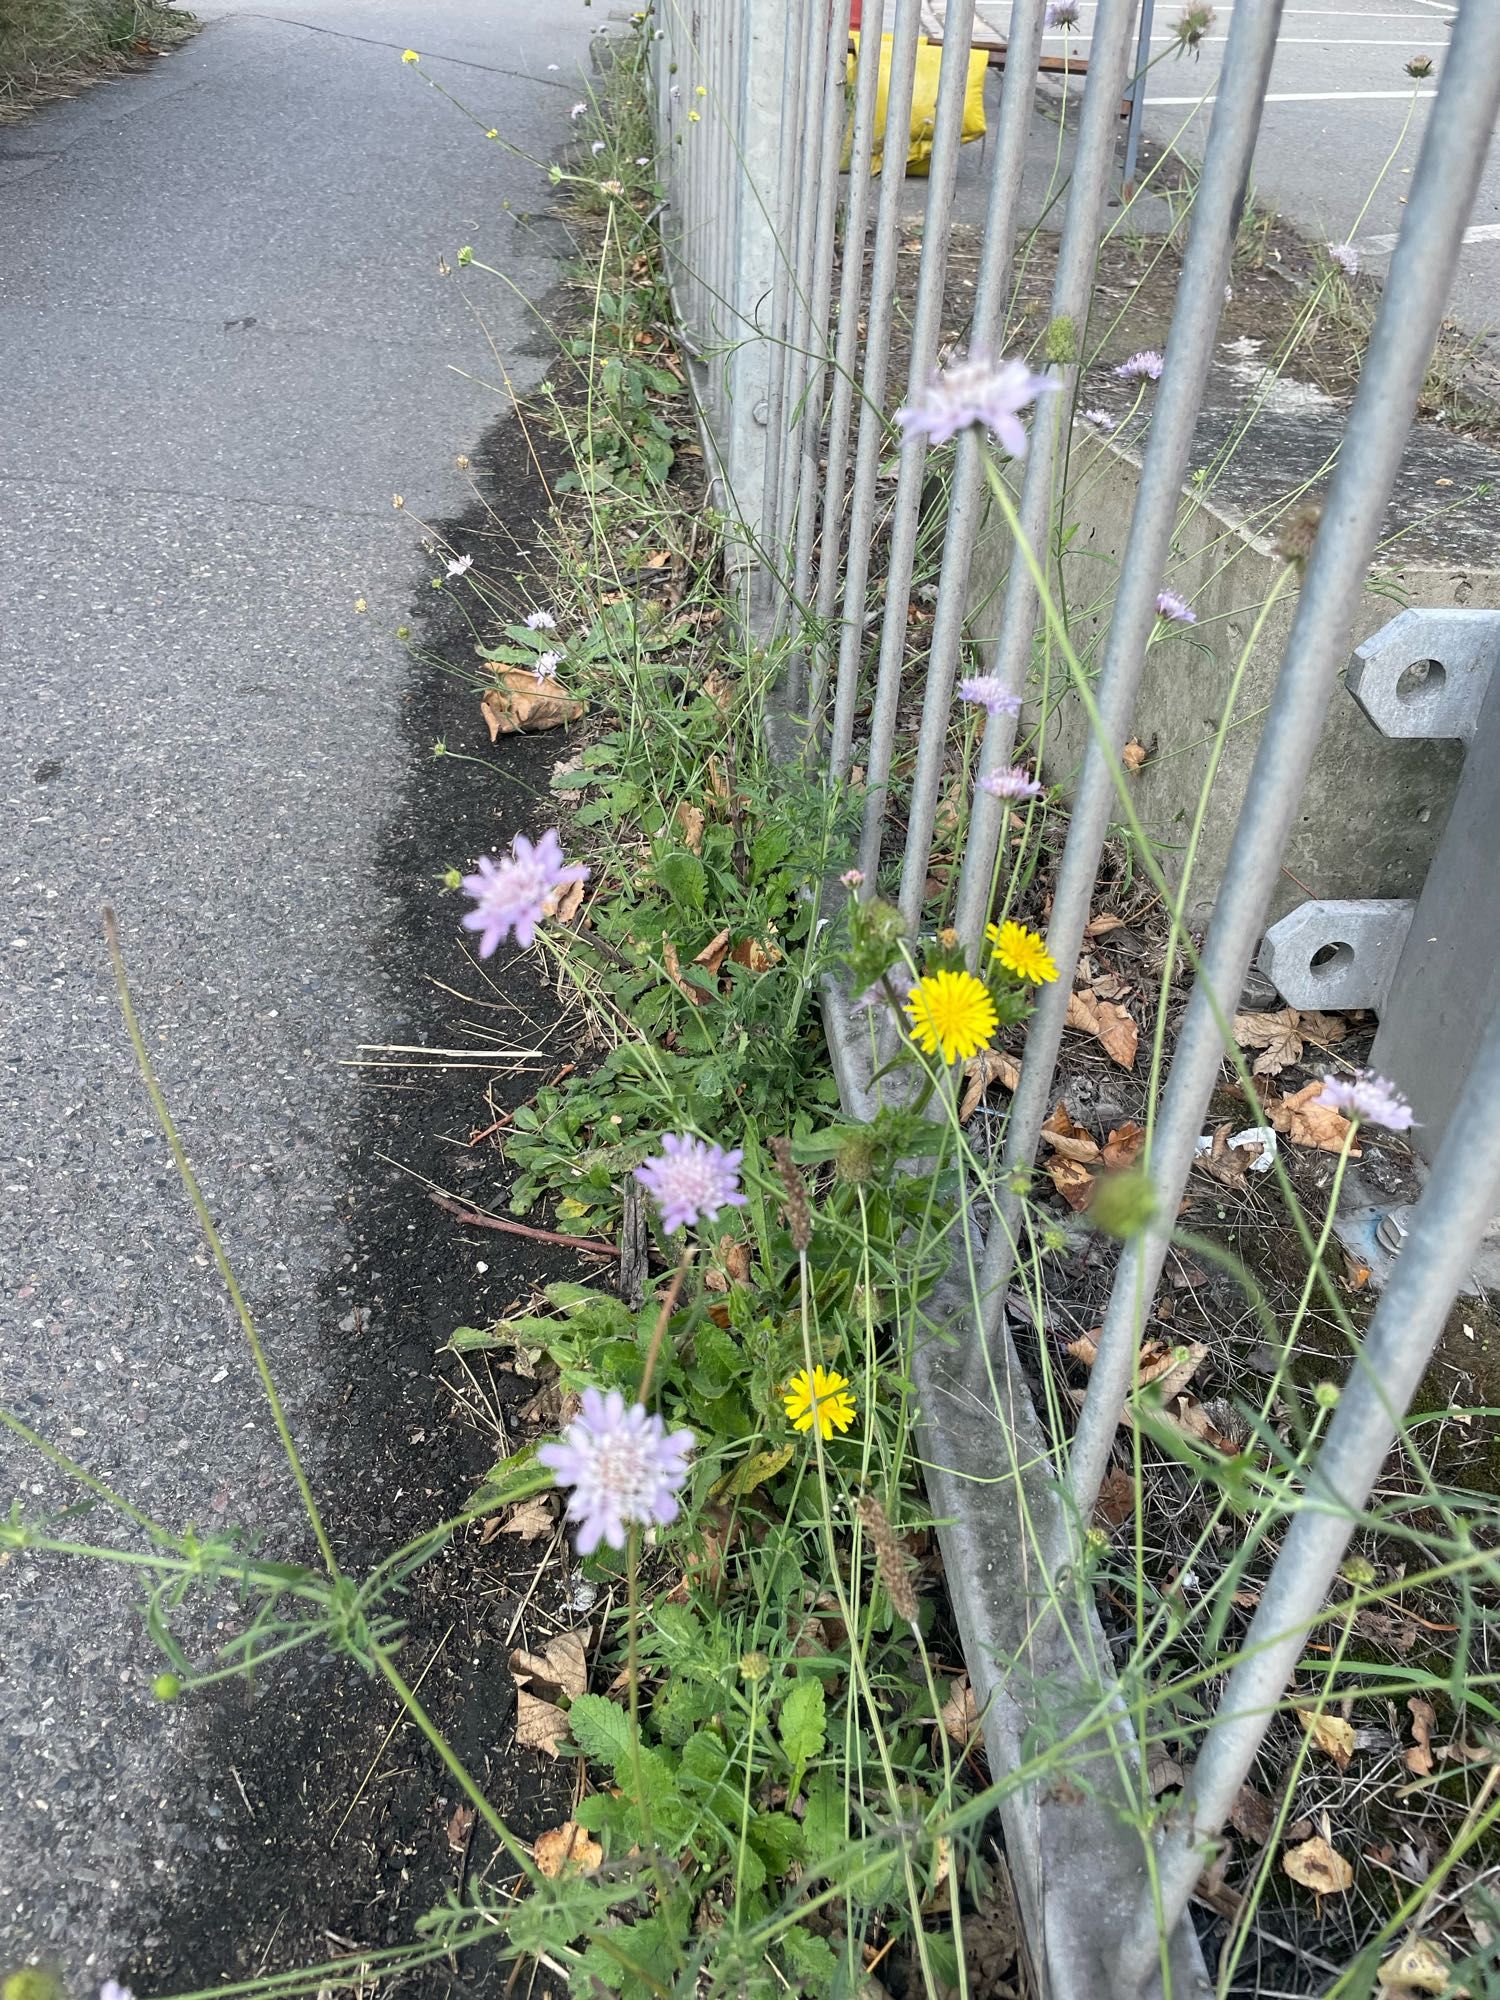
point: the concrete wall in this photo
(1373, 810)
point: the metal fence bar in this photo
(1458, 1203)
(1200, 300)
(786, 188)
(927, 326)
(1137, 92)
(826, 168)
(967, 496)
(812, 197)
(871, 435)
(1416, 291)
(845, 359)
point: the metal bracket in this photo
(1426, 673)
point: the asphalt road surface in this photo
(226, 344)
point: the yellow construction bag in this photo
(923, 102)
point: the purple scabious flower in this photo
(1177, 609)
(989, 692)
(1147, 365)
(1015, 785)
(1370, 1098)
(1061, 14)
(460, 565)
(991, 393)
(545, 666)
(1346, 257)
(1100, 419)
(512, 895)
(690, 1180)
(624, 1467)
(540, 621)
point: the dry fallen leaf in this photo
(460, 1826)
(1109, 1023)
(960, 1712)
(1318, 1867)
(1072, 1141)
(519, 703)
(1228, 1164)
(1419, 1967)
(566, 1847)
(1101, 925)
(699, 995)
(1330, 1734)
(564, 904)
(540, 1725)
(1116, 1502)
(528, 1520)
(1073, 1182)
(989, 1066)
(1123, 1146)
(1275, 1035)
(1253, 1815)
(563, 1668)
(1308, 1124)
(1133, 756)
(1423, 1720)
(712, 955)
(755, 956)
(690, 821)
(1164, 1773)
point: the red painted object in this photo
(854, 8)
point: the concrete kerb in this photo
(1373, 809)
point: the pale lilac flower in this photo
(1170, 605)
(540, 621)
(975, 392)
(1346, 257)
(690, 1180)
(460, 566)
(989, 692)
(1061, 14)
(611, 187)
(1368, 1097)
(1014, 785)
(643, 159)
(853, 878)
(1100, 419)
(1147, 364)
(597, 148)
(578, 110)
(113, 1990)
(512, 895)
(624, 1467)
(545, 666)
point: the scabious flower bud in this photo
(1124, 1204)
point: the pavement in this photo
(1339, 136)
(227, 343)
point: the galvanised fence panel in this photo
(795, 393)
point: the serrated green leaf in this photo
(811, 1961)
(777, 1839)
(601, 1729)
(800, 1724)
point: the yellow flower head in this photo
(824, 1400)
(951, 1011)
(1022, 952)
(410, 56)
(695, 118)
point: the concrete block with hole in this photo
(1376, 801)
(1340, 953)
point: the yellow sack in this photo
(923, 103)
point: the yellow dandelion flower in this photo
(695, 118)
(951, 1011)
(1022, 952)
(410, 56)
(824, 1400)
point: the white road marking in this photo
(1297, 97)
(1288, 41)
(1381, 246)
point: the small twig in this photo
(479, 1220)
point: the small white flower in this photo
(541, 621)
(546, 667)
(460, 566)
(578, 110)
(597, 148)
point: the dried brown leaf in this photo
(1318, 1867)
(690, 823)
(564, 1849)
(989, 1066)
(1418, 1967)
(960, 1713)
(540, 1725)
(1330, 1733)
(1418, 1759)
(521, 704)
(1133, 756)
(1275, 1035)
(460, 1826)
(1253, 1815)
(1072, 1141)
(713, 953)
(1228, 1164)
(1073, 1182)
(1111, 1025)
(562, 1669)
(1116, 1502)
(565, 903)
(1306, 1123)
(528, 1520)
(1101, 925)
(755, 956)
(1123, 1146)
(699, 995)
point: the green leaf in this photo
(811, 1961)
(601, 1729)
(823, 1822)
(777, 1839)
(682, 876)
(801, 1722)
(752, 1472)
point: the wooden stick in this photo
(480, 1221)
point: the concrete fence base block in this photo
(1340, 953)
